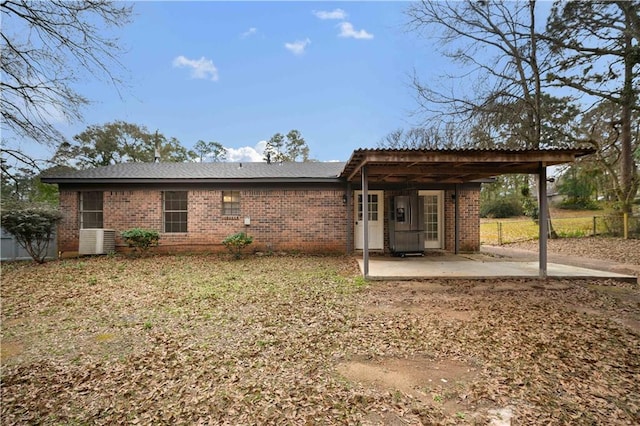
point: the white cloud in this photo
(334, 14)
(298, 46)
(251, 31)
(346, 30)
(202, 68)
(247, 153)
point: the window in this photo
(175, 211)
(231, 203)
(91, 215)
(373, 206)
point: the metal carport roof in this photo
(455, 166)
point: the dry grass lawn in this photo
(304, 340)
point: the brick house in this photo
(307, 207)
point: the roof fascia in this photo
(335, 180)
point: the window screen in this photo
(91, 215)
(231, 203)
(175, 211)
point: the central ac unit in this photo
(97, 241)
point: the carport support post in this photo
(543, 219)
(365, 219)
(456, 221)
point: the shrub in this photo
(32, 226)
(579, 204)
(236, 243)
(141, 239)
(501, 208)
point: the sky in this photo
(239, 72)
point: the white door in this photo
(376, 220)
(433, 219)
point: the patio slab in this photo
(475, 267)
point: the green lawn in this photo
(504, 231)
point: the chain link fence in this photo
(512, 231)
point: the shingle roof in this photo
(142, 172)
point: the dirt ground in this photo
(304, 340)
(519, 343)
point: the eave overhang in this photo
(127, 181)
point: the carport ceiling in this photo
(452, 166)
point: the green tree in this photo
(214, 151)
(601, 128)
(22, 184)
(275, 147)
(293, 147)
(578, 185)
(119, 142)
(296, 147)
(596, 48)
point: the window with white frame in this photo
(231, 203)
(91, 209)
(174, 205)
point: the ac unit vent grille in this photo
(97, 241)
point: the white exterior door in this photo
(433, 219)
(376, 220)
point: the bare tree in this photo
(496, 46)
(46, 47)
(421, 138)
(596, 46)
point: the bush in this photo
(579, 204)
(141, 239)
(32, 226)
(236, 243)
(501, 208)
(529, 205)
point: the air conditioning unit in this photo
(97, 241)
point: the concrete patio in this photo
(475, 266)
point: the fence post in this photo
(499, 233)
(594, 226)
(625, 224)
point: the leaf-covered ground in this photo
(303, 340)
(614, 249)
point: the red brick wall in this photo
(68, 227)
(310, 220)
(469, 219)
